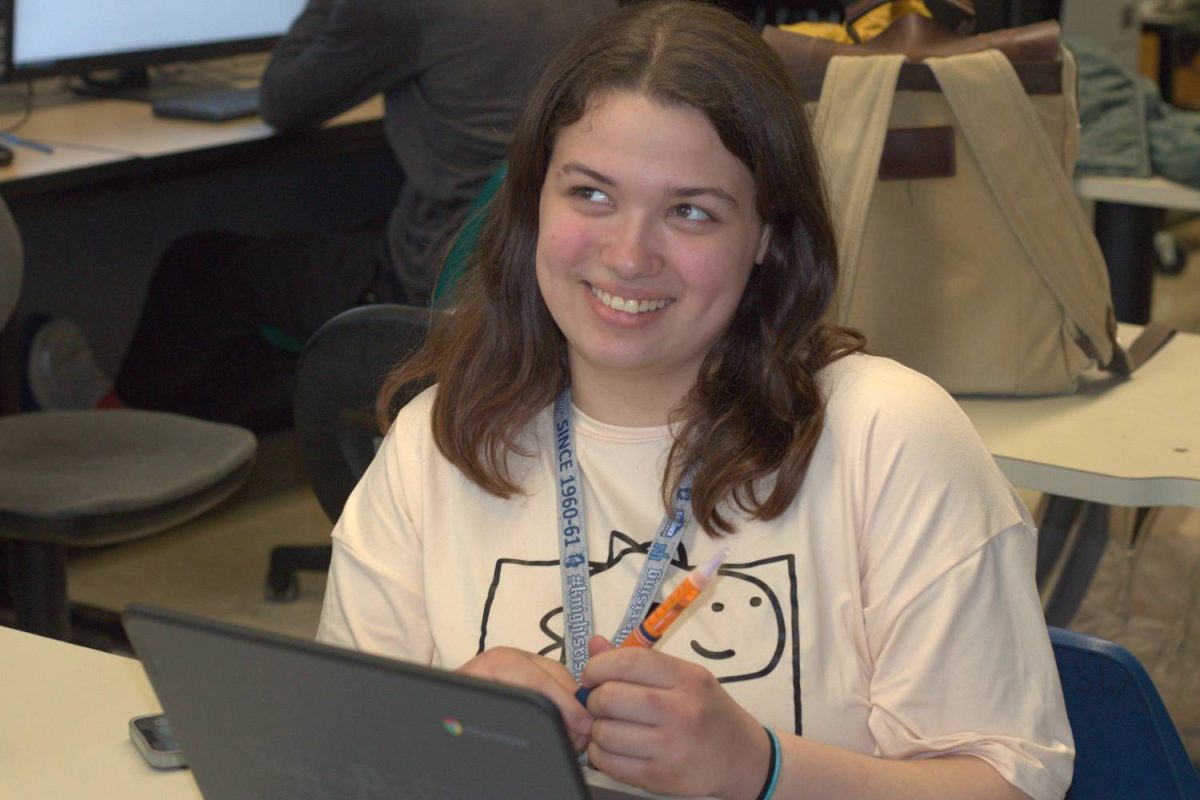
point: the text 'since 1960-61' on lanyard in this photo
(573, 552)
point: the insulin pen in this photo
(657, 622)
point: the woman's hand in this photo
(550, 678)
(667, 725)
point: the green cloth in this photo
(1127, 128)
(1174, 138)
(464, 242)
(1113, 138)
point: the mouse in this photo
(6, 155)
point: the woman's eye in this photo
(692, 213)
(591, 194)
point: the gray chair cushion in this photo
(76, 463)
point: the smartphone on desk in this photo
(151, 734)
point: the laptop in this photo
(216, 105)
(261, 716)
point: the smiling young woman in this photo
(637, 376)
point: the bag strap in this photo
(850, 127)
(1029, 183)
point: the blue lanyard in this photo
(572, 547)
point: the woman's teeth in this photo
(630, 306)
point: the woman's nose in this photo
(631, 249)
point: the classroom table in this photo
(91, 140)
(1118, 441)
(64, 726)
(1121, 441)
(120, 184)
(64, 730)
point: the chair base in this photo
(283, 585)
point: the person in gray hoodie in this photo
(454, 77)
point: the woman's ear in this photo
(764, 239)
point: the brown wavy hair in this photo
(749, 425)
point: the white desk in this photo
(128, 129)
(1128, 442)
(92, 133)
(126, 184)
(1116, 442)
(1156, 192)
(64, 715)
(64, 726)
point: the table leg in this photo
(39, 587)
(1126, 236)
(1067, 578)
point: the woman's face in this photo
(647, 235)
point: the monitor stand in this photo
(135, 84)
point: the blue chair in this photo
(1126, 745)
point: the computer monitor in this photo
(78, 37)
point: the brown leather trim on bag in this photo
(1032, 49)
(911, 154)
(1152, 338)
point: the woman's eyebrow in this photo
(688, 192)
(598, 177)
(682, 192)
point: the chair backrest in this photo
(12, 263)
(339, 375)
(1126, 745)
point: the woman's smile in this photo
(628, 305)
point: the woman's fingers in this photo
(539, 674)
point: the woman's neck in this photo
(619, 398)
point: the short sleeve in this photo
(967, 668)
(375, 594)
(957, 647)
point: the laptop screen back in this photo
(261, 716)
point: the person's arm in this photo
(539, 674)
(669, 726)
(337, 54)
(812, 769)
(963, 691)
(375, 592)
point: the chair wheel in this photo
(1171, 255)
(282, 586)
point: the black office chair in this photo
(94, 478)
(338, 378)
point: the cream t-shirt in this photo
(891, 610)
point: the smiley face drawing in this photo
(726, 627)
(742, 629)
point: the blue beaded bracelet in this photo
(768, 790)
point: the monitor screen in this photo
(57, 37)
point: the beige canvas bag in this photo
(964, 251)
